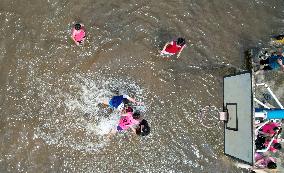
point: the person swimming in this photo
(174, 47)
(119, 102)
(78, 34)
(127, 120)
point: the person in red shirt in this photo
(270, 129)
(174, 47)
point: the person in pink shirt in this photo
(127, 120)
(78, 34)
(270, 129)
(262, 161)
(275, 146)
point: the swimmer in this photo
(127, 120)
(78, 34)
(173, 47)
(119, 102)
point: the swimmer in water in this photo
(119, 102)
(127, 120)
(174, 47)
(78, 34)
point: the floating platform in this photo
(238, 125)
(248, 104)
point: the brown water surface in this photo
(50, 88)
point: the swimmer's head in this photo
(277, 146)
(78, 26)
(136, 115)
(128, 109)
(180, 41)
(271, 165)
(125, 101)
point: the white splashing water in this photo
(80, 122)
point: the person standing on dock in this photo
(265, 161)
(274, 62)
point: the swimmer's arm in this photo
(134, 101)
(105, 102)
(279, 61)
(75, 40)
(72, 35)
(166, 46)
(180, 51)
(133, 130)
(111, 133)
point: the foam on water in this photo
(82, 124)
(66, 105)
(208, 116)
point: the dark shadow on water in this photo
(162, 36)
(248, 60)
